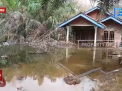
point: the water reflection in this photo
(59, 85)
(94, 55)
(43, 74)
(84, 60)
(35, 70)
(10, 55)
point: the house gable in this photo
(95, 12)
(111, 18)
(86, 17)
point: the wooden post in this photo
(68, 28)
(94, 55)
(95, 36)
(75, 37)
(95, 41)
(78, 44)
(67, 53)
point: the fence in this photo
(99, 43)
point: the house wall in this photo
(81, 21)
(95, 15)
(116, 27)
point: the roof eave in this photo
(91, 10)
(116, 20)
(95, 8)
(84, 16)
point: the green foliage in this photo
(48, 12)
(11, 4)
(3, 62)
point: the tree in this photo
(48, 13)
(106, 5)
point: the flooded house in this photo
(92, 27)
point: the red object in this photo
(2, 9)
(3, 82)
(0, 75)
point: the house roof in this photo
(111, 18)
(85, 17)
(96, 8)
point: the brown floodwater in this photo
(46, 75)
(41, 76)
(81, 61)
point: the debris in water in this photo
(19, 88)
(70, 80)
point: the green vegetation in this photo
(25, 15)
(27, 19)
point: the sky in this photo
(32, 85)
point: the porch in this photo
(83, 33)
(82, 27)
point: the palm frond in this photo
(106, 4)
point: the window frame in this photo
(109, 36)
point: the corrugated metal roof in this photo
(91, 10)
(84, 16)
(112, 18)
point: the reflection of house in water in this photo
(85, 28)
(107, 54)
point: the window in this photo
(107, 54)
(108, 36)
